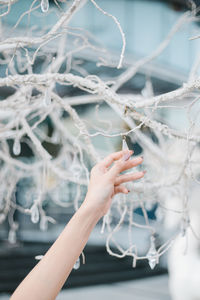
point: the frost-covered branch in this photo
(43, 69)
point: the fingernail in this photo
(128, 191)
(144, 171)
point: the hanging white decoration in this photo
(159, 214)
(12, 236)
(125, 147)
(39, 257)
(44, 5)
(76, 168)
(152, 254)
(44, 223)
(185, 223)
(16, 146)
(77, 264)
(2, 218)
(35, 213)
(47, 97)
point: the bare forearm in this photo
(47, 278)
(51, 272)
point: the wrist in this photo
(91, 209)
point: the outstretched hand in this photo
(106, 180)
(52, 271)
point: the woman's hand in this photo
(106, 181)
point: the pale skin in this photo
(47, 278)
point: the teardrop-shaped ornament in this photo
(152, 254)
(47, 97)
(44, 223)
(77, 264)
(44, 5)
(56, 138)
(159, 214)
(35, 214)
(147, 91)
(185, 223)
(125, 147)
(12, 236)
(2, 218)
(1, 198)
(76, 167)
(16, 146)
(149, 205)
(1, 28)
(39, 257)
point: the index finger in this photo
(108, 160)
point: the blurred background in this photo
(146, 24)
